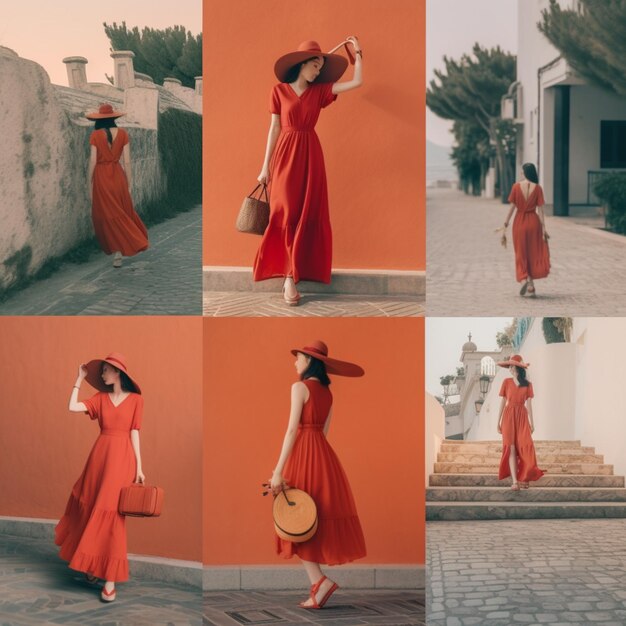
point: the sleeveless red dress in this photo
(91, 533)
(532, 255)
(117, 226)
(314, 467)
(516, 432)
(298, 239)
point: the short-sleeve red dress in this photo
(298, 239)
(532, 255)
(516, 432)
(117, 226)
(314, 467)
(91, 533)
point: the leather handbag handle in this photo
(263, 191)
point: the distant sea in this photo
(439, 165)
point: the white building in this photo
(571, 130)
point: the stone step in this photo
(538, 442)
(552, 468)
(466, 511)
(549, 480)
(487, 459)
(534, 494)
(497, 449)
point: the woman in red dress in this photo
(516, 426)
(530, 238)
(308, 462)
(92, 533)
(297, 243)
(118, 228)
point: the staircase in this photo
(577, 484)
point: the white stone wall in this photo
(44, 205)
(435, 427)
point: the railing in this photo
(523, 326)
(593, 176)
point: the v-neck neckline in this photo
(530, 193)
(295, 93)
(117, 406)
(110, 145)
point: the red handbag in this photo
(140, 500)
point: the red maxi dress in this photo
(516, 432)
(532, 255)
(117, 226)
(91, 533)
(314, 467)
(298, 239)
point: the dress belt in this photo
(311, 426)
(296, 129)
(115, 432)
(515, 404)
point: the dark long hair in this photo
(125, 382)
(107, 124)
(521, 376)
(530, 172)
(316, 369)
(294, 71)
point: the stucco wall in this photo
(44, 204)
(435, 433)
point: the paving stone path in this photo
(503, 573)
(164, 280)
(346, 608)
(469, 273)
(36, 587)
(259, 304)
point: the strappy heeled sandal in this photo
(532, 292)
(107, 596)
(524, 485)
(290, 301)
(515, 487)
(522, 291)
(90, 578)
(313, 595)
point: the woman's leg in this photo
(513, 464)
(314, 572)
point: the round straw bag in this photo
(295, 515)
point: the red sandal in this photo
(313, 593)
(107, 596)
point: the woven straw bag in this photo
(295, 515)
(254, 214)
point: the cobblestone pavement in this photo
(346, 607)
(36, 587)
(469, 273)
(164, 280)
(224, 304)
(501, 573)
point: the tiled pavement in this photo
(259, 304)
(164, 280)
(347, 608)
(469, 273)
(502, 573)
(36, 587)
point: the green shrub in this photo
(551, 333)
(611, 189)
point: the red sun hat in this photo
(94, 369)
(514, 359)
(319, 350)
(105, 111)
(332, 70)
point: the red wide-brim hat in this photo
(94, 371)
(105, 111)
(319, 350)
(332, 70)
(514, 359)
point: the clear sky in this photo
(445, 337)
(45, 31)
(452, 28)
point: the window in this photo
(612, 144)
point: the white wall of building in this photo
(588, 107)
(599, 393)
(435, 433)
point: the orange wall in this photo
(44, 446)
(377, 430)
(373, 138)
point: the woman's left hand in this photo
(532, 429)
(545, 235)
(355, 42)
(139, 477)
